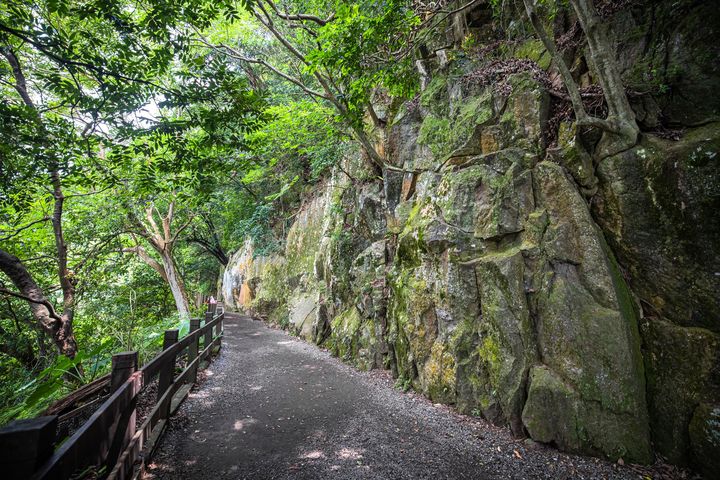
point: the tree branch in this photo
(25, 37)
(140, 252)
(181, 229)
(43, 302)
(301, 16)
(20, 82)
(267, 21)
(25, 227)
(235, 54)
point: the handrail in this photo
(108, 438)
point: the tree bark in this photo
(620, 129)
(67, 282)
(177, 286)
(58, 327)
(162, 239)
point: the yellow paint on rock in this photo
(246, 295)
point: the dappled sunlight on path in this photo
(273, 406)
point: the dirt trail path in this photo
(273, 406)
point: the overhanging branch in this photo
(301, 16)
(52, 313)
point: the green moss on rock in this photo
(682, 372)
(705, 438)
(554, 412)
(534, 50)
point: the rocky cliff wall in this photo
(482, 273)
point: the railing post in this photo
(123, 366)
(221, 328)
(167, 372)
(25, 445)
(193, 347)
(209, 331)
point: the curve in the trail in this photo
(272, 406)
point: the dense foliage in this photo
(142, 142)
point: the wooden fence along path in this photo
(108, 442)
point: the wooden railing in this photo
(108, 442)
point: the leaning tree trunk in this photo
(177, 286)
(58, 327)
(162, 240)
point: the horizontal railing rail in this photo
(108, 441)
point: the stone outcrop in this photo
(478, 271)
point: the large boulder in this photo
(657, 206)
(586, 332)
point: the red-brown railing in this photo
(108, 442)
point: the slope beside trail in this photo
(272, 406)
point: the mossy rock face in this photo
(271, 291)
(555, 412)
(443, 136)
(405, 289)
(470, 126)
(658, 206)
(705, 438)
(370, 213)
(304, 238)
(345, 330)
(682, 371)
(672, 52)
(489, 197)
(445, 131)
(506, 349)
(403, 149)
(302, 311)
(525, 115)
(496, 268)
(479, 276)
(368, 283)
(354, 339)
(587, 331)
(435, 97)
(535, 51)
(510, 201)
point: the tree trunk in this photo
(601, 44)
(162, 240)
(177, 286)
(620, 130)
(58, 327)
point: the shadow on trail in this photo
(273, 406)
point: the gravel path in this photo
(273, 406)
